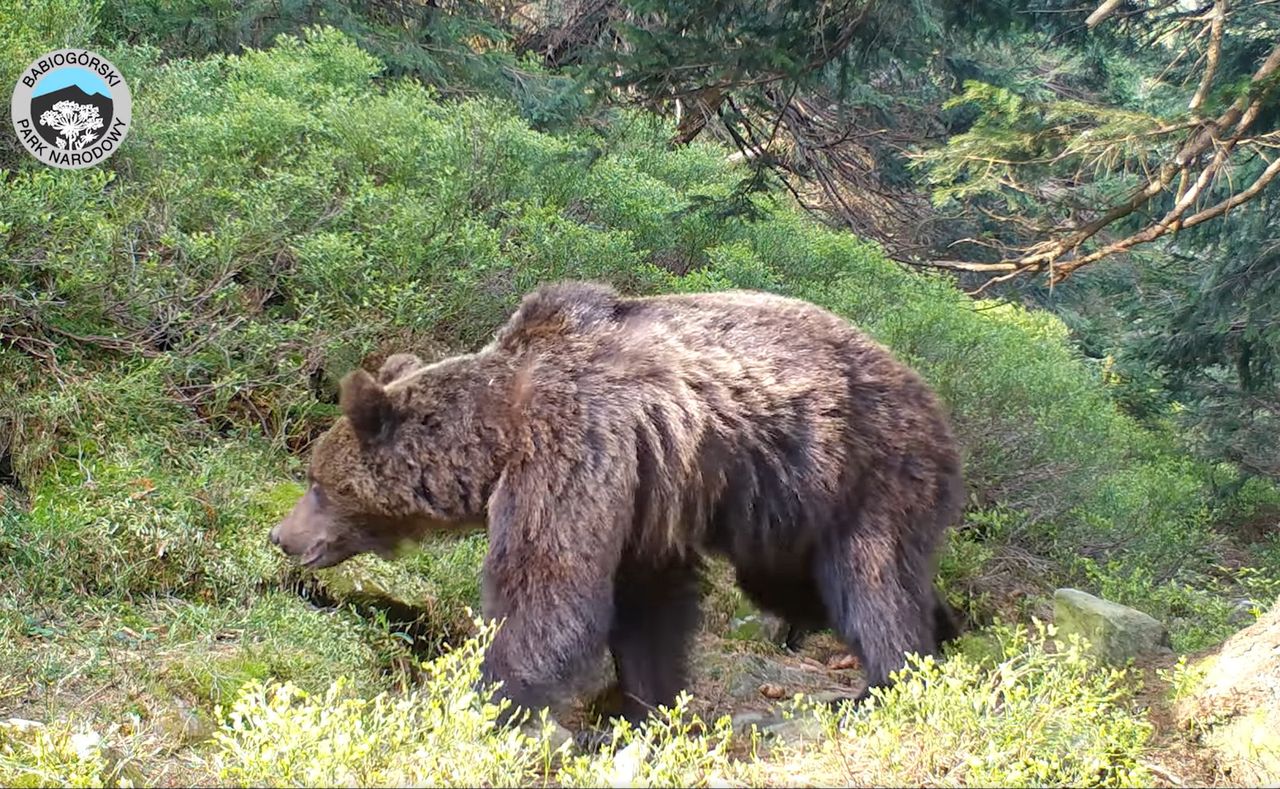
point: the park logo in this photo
(71, 108)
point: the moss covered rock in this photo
(1115, 633)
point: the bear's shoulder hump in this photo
(560, 309)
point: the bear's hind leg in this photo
(876, 607)
(655, 613)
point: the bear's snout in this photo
(290, 539)
(303, 527)
(277, 538)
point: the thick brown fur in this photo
(611, 443)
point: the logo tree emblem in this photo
(78, 123)
(71, 108)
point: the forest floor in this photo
(148, 679)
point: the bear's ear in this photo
(366, 405)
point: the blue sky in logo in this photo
(71, 75)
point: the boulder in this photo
(1234, 703)
(743, 721)
(749, 678)
(1115, 633)
(797, 729)
(780, 727)
(184, 724)
(750, 624)
(555, 734)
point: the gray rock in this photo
(750, 624)
(743, 721)
(797, 729)
(1242, 612)
(185, 725)
(831, 697)
(747, 673)
(1115, 633)
(556, 734)
(22, 724)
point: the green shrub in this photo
(1024, 710)
(59, 755)
(27, 31)
(440, 734)
(674, 748)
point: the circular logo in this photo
(71, 108)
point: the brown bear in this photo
(610, 443)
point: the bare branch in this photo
(1218, 18)
(1101, 13)
(1155, 231)
(961, 265)
(1061, 257)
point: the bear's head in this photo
(391, 470)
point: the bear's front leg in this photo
(554, 549)
(547, 641)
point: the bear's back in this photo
(753, 328)
(751, 325)
(739, 407)
(748, 357)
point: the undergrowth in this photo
(1026, 710)
(1031, 711)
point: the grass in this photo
(146, 675)
(1028, 710)
(1032, 712)
(1022, 710)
